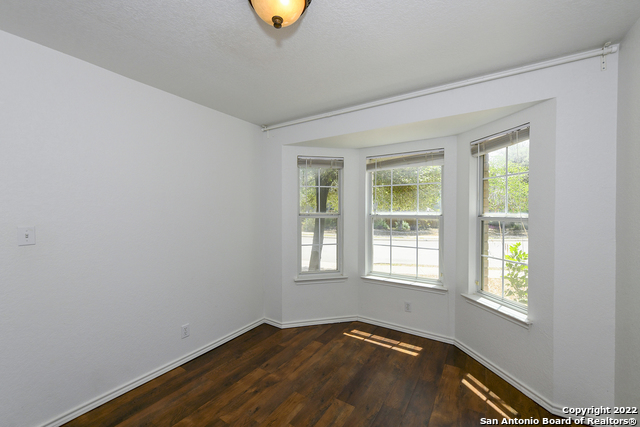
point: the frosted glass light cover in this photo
(288, 10)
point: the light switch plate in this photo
(26, 236)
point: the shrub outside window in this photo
(319, 215)
(503, 215)
(405, 216)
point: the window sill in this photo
(398, 283)
(319, 278)
(514, 316)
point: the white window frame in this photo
(477, 151)
(320, 162)
(371, 217)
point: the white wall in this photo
(567, 357)
(143, 223)
(628, 231)
(271, 230)
(506, 345)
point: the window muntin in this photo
(319, 215)
(503, 215)
(405, 216)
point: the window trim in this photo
(404, 283)
(394, 279)
(309, 277)
(499, 309)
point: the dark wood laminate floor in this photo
(345, 374)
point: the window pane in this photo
(428, 234)
(404, 198)
(492, 235)
(430, 174)
(516, 282)
(519, 194)
(516, 241)
(382, 231)
(492, 276)
(332, 203)
(405, 176)
(519, 157)
(319, 244)
(322, 230)
(330, 230)
(329, 258)
(381, 259)
(429, 197)
(319, 196)
(308, 200)
(319, 258)
(382, 177)
(494, 195)
(308, 176)
(404, 233)
(403, 261)
(495, 163)
(428, 264)
(381, 199)
(329, 177)
(307, 227)
(306, 256)
(319, 199)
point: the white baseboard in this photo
(342, 319)
(526, 390)
(86, 407)
(532, 394)
(312, 322)
(395, 327)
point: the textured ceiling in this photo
(341, 53)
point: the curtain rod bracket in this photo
(603, 59)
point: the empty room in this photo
(359, 213)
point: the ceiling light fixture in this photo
(279, 13)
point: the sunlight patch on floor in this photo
(488, 396)
(385, 342)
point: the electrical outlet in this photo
(407, 307)
(185, 330)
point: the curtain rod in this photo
(606, 50)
